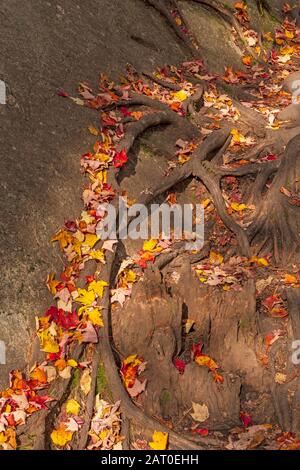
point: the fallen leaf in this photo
(215, 258)
(60, 437)
(180, 365)
(86, 381)
(203, 432)
(200, 412)
(247, 60)
(159, 440)
(246, 419)
(93, 130)
(72, 407)
(120, 159)
(290, 279)
(180, 95)
(280, 378)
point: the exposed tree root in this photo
(163, 83)
(251, 118)
(136, 129)
(194, 100)
(130, 410)
(277, 223)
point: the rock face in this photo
(46, 46)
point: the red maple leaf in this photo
(120, 159)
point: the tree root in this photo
(251, 118)
(190, 103)
(213, 186)
(170, 117)
(136, 129)
(276, 223)
(163, 83)
(129, 409)
(194, 167)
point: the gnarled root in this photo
(276, 227)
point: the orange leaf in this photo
(247, 60)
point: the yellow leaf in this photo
(180, 95)
(280, 378)
(150, 245)
(79, 236)
(262, 262)
(215, 258)
(237, 137)
(182, 159)
(268, 36)
(63, 237)
(238, 207)
(102, 157)
(48, 343)
(90, 240)
(72, 363)
(60, 437)
(287, 50)
(130, 276)
(189, 325)
(137, 115)
(85, 297)
(8, 439)
(159, 440)
(207, 361)
(133, 360)
(52, 283)
(97, 254)
(289, 34)
(95, 317)
(97, 287)
(205, 203)
(72, 407)
(101, 176)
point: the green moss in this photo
(102, 385)
(244, 323)
(75, 379)
(145, 152)
(164, 399)
(29, 444)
